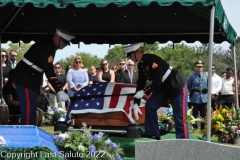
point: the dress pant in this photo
(28, 104)
(179, 104)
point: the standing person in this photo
(114, 68)
(77, 78)
(93, 74)
(63, 82)
(216, 87)
(13, 58)
(122, 76)
(132, 74)
(6, 67)
(197, 85)
(28, 74)
(167, 84)
(223, 75)
(227, 94)
(105, 74)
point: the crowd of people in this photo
(150, 68)
(72, 79)
(222, 92)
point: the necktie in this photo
(13, 65)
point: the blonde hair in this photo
(75, 58)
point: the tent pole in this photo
(1, 70)
(210, 54)
(235, 75)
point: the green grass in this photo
(49, 129)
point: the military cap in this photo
(199, 63)
(131, 48)
(66, 36)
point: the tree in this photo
(115, 54)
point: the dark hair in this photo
(6, 56)
(67, 68)
(214, 65)
(229, 69)
(223, 72)
(58, 63)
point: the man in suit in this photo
(28, 74)
(167, 84)
(132, 74)
(121, 75)
(13, 58)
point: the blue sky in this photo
(231, 8)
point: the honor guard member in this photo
(167, 84)
(29, 71)
(198, 86)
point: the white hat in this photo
(66, 36)
(131, 48)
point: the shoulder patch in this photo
(154, 65)
(50, 59)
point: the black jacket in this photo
(153, 68)
(42, 55)
(122, 76)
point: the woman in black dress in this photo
(105, 74)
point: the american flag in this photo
(103, 98)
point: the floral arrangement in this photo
(53, 114)
(86, 145)
(225, 124)
(219, 119)
(169, 116)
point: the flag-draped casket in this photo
(104, 103)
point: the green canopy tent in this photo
(118, 22)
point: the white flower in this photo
(108, 141)
(61, 109)
(64, 136)
(81, 148)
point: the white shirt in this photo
(227, 86)
(45, 80)
(216, 84)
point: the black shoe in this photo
(154, 137)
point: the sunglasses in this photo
(4, 55)
(114, 68)
(121, 63)
(199, 66)
(130, 65)
(213, 68)
(13, 55)
(57, 67)
(104, 64)
(77, 62)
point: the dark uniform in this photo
(173, 88)
(28, 80)
(122, 76)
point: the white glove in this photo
(62, 96)
(136, 110)
(139, 94)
